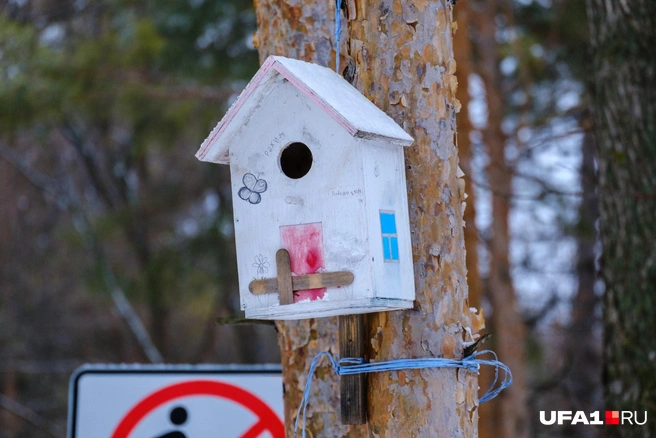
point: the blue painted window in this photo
(390, 239)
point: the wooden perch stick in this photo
(301, 282)
(284, 279)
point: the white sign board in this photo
(136, 401)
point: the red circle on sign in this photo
(267, 419)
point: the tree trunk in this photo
(11, 423)
(404, 63)
(462, 52)
(403, 60)
(624, 64)
(507, 323)
(583, 382)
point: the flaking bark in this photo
(404, 63)
(403, 58)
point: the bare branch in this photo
(30, 416)
(90, 163)
(41, 366)
(513, 196)
(169, 88)
(132, 319)
(235, 320)
(39, 180)
(533, 320)
(69, 202)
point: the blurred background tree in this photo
(526, 146)
(117, 243)
(624, 95)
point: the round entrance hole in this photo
(296, 160)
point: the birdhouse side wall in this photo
(388, 222)
(319, 218)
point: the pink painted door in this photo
(305, 246)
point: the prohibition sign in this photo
(267, 421)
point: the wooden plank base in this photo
(353, 393)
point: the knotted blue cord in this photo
(350, 366)
(338, 31)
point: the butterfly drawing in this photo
(252, 188)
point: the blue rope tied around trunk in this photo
(351, 366)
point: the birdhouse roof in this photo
(334, 95)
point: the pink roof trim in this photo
(272, 63)
(234, 109)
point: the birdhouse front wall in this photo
(322, 218)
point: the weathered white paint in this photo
(353, 177)
(384, 175)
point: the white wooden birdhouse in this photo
(317, 170)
